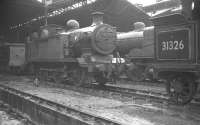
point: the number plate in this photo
(173, 44)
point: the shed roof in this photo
(14, 12)
(119, 13)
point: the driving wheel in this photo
(181, 89)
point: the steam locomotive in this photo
(169, 50)
(77, 55)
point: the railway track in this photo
(124, 94)
(8, 95)
(121, 92)
(148, 96)
(105, 91)
(147, 100)
(132, 93)
(137, 97)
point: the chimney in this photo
(97, 18)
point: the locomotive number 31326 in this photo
(172, 45)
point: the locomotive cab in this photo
(177, 51)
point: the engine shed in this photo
(100, 62)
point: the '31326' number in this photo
(172, 45)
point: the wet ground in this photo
(127, 113)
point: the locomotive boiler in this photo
(137, 47)
(77, 55)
